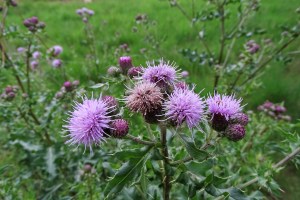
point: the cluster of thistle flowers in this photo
(85, 14)
(159, 96)
(94, 120)
(53, 53)
(276, 111)
(35, 60)
(9, 93)
(252, 47)
(67, 87)
(33, 24)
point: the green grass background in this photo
(117, 17)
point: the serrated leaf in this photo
(234, 193)
(196, 153)
(131, 153)
(126, 174)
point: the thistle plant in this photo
(139, 128)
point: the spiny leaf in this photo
(126, 174)
(196, 153)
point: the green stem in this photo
(167, 178)
(140, 141)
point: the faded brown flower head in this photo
(144, 98)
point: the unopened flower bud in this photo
(119, 128)
(87, 168)
(75, 83)
(11, 96)
(239, 118)
(219, 122)
(113, 71)
(68, 86)
(8, 89)
(184, 74)
(125, 63)
(134, 71)
(235, 132)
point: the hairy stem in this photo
(167, 178)
(140, 141)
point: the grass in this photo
(113, 22)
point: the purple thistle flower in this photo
(56, 50)
(125, 63)
(144, 98)
(34, 64)
(21, 50)
(36, 55)
(163, 74)
(56, 63)
(221, 109)
(88, 122)
(184, 74)
(224, 105)
(184, 106)
(68, 86)
(181, 85)
(134, 71)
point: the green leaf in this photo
(126, 173)
(50, 162)
(232, 192)
(196, 153)
(131, 153)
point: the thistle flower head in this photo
(125, 63)
(88, 122)
(36, 55)
(56, 63)
(239, 118)
(144, 98)
(224, 105)
(119, 128)
(113, 71)
(134, 71)
(162, 75)
(56, 50)
(34, 64)
(184, 106)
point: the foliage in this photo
(154, 161)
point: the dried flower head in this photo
(144, 98)
(163, 74)
(184, 106)
(88, 122)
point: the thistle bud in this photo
(239, 118)
(125, 63)
(235, 132)
(119, 128)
